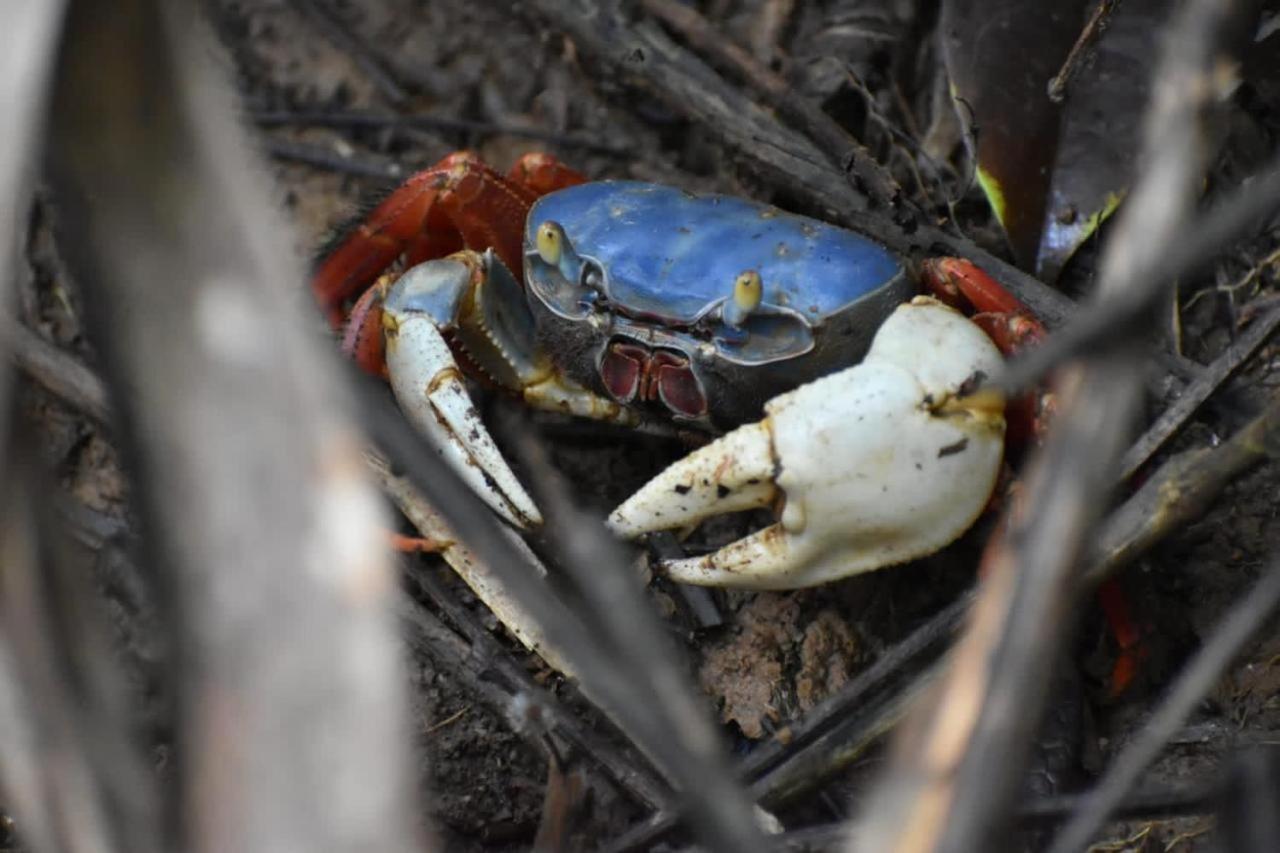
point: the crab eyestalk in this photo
(555, 250)
(748, 291)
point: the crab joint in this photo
(748, 290)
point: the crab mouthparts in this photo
(634, 373)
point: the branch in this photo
(275, 587)
(952, 787)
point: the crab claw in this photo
(431, 392)
(881, 463)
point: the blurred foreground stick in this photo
(257, 521)
(954, 782)
(28, 33)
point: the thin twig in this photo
(555, 719)
(834, 733)
(68, 758)
(1179, 492)
(1200, 389)
(1093, 29)
(333, 29)
(325, 158)
(1192, 801)
(619, 616)
(315, 118)
(844, 151)
(60, 373)
(1197, 679)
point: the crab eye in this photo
(747, 293)
(550, 241)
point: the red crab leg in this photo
(1009, 323)
(458, 202)
(543, 174)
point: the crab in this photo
(842, 397)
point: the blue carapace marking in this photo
(670, 253)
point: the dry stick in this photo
(276, 586)
(556, 719)
(356, 119)
(333, 29)
(485, 650)
(688, 754)
(953, 786)
(645, 57)
(1200, 389)
(1093, 28)
(325, 158)
(59, 372)
(619, 613)
(1197, 679)
(1190, 801)
(71, 767)
(29, 32)
(1179, 492)
(842, 148)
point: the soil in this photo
(776, 655)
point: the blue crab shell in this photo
(672, 254)
(658, 263)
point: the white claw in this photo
(732, 473)
(878, 464)
(429, 388)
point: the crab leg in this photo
(470, 303)
(875, 465)
(458, 201)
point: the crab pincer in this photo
(877, 464)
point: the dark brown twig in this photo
(844, 151)
(555, 718)
(1200, 389)
(68, 761)
(1082, 49)
(619, 616)
(833, 734)
(1179, 492)
(277, 118)
(60, 373)
(325, 158)
(333, 29)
